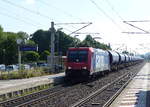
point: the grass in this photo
(5, 75)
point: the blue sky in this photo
(107, 17)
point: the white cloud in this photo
(30, 1)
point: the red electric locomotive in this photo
(85, 61)
(78, 62)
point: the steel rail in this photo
(84, 100)
(46, 97)
(109, 102)
(29, 97)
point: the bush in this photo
(23, 74)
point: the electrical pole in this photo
(19, 41)
(19, 58)
(52, 29)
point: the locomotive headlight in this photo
(69, 67)
(84, 67)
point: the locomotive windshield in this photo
(77, 56)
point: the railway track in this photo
(66, 96)
(23, 99)
(37, 96)
(43, 98)
(122, 80)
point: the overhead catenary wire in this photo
(26, 9)
(64, 28)
(87, 33)
(113, 9)
(135, 21)
(61, 10)
(80, 28)
(29, 10)
(135, 32)
(33, 22)
(127, 22)
(73, 23)
(66, 13)
(18, 19)
(101, 10)
(85, 25)
(15, 17)
(139, 21)
(74, 32)
(136, 27)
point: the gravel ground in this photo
(80, 91)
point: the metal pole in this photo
(58, 50)
(52, 45)
(19, 57)
(19, 41)
(75, 37)
(4, 58)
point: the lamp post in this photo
(19, 41)
(75, 37)
(58, 38)
(52, 49)
(4, 50)
(59, 61)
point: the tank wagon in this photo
(85, 61)
(122, 60)
(114, 60)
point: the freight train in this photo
(86, 61)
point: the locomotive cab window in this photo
(77, 56)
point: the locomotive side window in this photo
(77, 56)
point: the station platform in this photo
(137, 92)
(9, 86)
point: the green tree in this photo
(42, 38)
(90, 42)
(66, 41)
(62, 41)
(31, 56)
(30, 42)
(2, 37)
(44, 55)
(1, 30)
(23, 35)
(10, 46)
